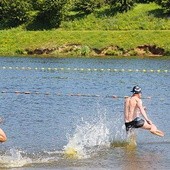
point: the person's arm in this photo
(126, 101)
(143, 112)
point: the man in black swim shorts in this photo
(133, 109)
(136, 123)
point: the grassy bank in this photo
(141, 17)
(140, 26)
(13, 42)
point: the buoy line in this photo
(62, 94)
(87, 69)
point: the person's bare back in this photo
(131, 109)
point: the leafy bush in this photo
(14, 12)
(165, 4)
(87, 6)
(121, 5)
(85, 50)
(144, 1)
(51, 12)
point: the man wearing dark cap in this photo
(133, 110)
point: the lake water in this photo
(52, 105)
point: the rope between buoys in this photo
(88, 69)
(68, 94)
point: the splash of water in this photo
(13, 158)
(88, 135)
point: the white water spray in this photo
(13, 159)
(88, 136)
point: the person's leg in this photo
(3, 137)
(131, 137)
(153, 129)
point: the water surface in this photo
(49, 105)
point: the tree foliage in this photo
(14, 12)
(51, 12)
(122, 5)
(165, 5)
(144, 1)
(87, 6)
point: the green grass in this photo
(12, 41)
(142, 17)
(99, 30)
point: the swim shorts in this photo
(136, 123)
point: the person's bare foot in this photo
(158, 133)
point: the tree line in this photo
(50, 13)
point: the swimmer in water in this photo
(3, 137)
(133, 110)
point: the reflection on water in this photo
(73, 119)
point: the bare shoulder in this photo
(139, 101)
(126, 99)
(134, 100)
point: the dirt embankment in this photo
(83, 50)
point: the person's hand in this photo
(149, 122)
(144, 108)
